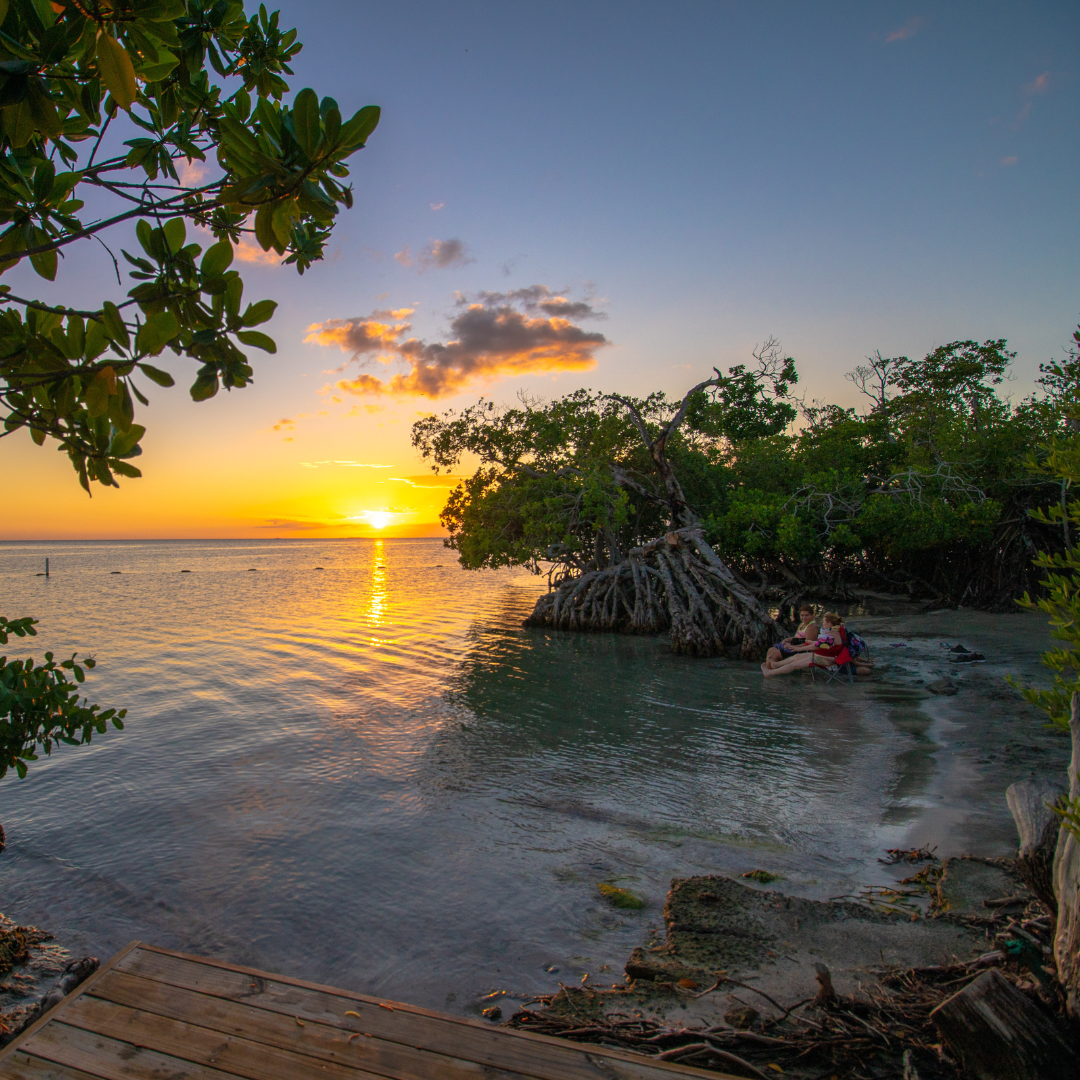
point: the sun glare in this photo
(379, 519)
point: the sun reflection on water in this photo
(377, 600)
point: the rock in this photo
(743, 1017)
(966, 881)
(620, 898)
(942, 687)
(493, 1013)
(720, 924)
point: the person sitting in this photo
(830, 649)
(806, 634)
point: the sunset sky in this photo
(615, 195)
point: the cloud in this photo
(428, 480)
(438, 255)
(1006, 161)
(490, 340)
(248, 252)
(906, 31)
(437, 205)
(346, 464)
(1039, 85)
(537, 299)
(294, 525)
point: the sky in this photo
(611, 195)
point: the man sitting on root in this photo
(829, 649)
(807, 634)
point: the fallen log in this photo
(998, 1033)
(1030, 802)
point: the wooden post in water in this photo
(46, 566)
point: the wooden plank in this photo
(21, 1066)
(112, 1059)
(322, 1041)
(534, 1055)
(204, 1046)
(81, 988)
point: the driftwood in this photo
(998, 1033)
(675, 583)
(1067, 887)
(1030, 802)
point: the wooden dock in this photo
(152, 1014)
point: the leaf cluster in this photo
(40, 705)
(72, 73)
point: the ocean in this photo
(347, 761)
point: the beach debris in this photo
(299, 1022)
(382, 1006)
(350, 1012)
(909, 855)
(762, 877)
(943, 687)
(493, 1012)
(620, 898)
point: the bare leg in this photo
(794, 663)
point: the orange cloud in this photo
(491, 340)
(907, 30)
(1006, 161)
(248, 252)
(1039, 85)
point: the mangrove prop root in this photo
(883, 1033)
(675, 583)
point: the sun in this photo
(378, 519)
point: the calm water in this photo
(371, 776)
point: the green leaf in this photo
(162, 378)
(357, 130)
(261, 312)
(145, 232)
(44, 263)
(258, 340)
(264, 227)
(96, 395)
(175, 233)
(97, 340)
(217, 259)
(305, 116)
(114, 66)
(114, 324)
(125, 441)
(157, 331)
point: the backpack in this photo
(856, 645)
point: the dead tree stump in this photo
(1067, 886)
(1030, 802)
(997, 1032)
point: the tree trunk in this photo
(1067, 886)
(998, 1033)
(677, 583)
(1030, 802)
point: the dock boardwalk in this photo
(153, 1014)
